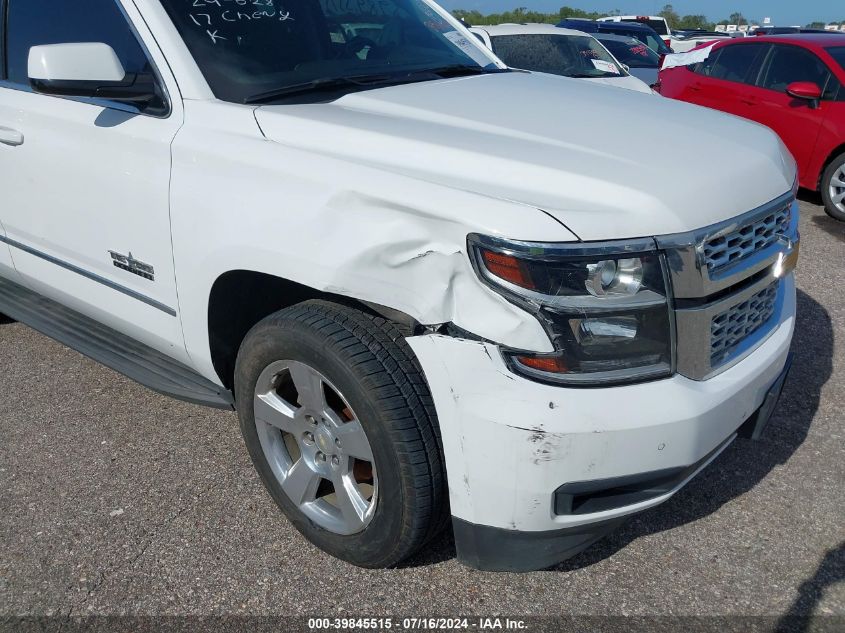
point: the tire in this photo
(367, 374)
(833, 193)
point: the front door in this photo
(797, 121)
(86, 194)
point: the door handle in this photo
(748, 100)
(8, 136)
(695, 86)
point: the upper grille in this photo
(730, 328)
(737, 245)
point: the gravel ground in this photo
(115, 500)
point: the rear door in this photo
(796, 121)
(722, 81)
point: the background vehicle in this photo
(683, 41)
(550, 49)
(787, 30)
(656, 22)
(642, 62)
(792, 84)
(642, 32)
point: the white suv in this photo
(434, 289)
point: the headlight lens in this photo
(605, 307)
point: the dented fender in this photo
(337, 226)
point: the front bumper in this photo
(510, 444)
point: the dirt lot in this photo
(115, 500)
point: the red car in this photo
(795, 84)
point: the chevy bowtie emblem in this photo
(134, 266)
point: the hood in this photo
(592, 157)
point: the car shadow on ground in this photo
(822, 220)
(831, 571)
(738, 469)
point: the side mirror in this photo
(626, 68)
(805, 90)
(89, 69)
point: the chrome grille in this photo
(722, 250)
(729, 329)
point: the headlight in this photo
(604, 306)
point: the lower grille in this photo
(729, 329)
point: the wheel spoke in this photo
(301, 483)
(272, 410)
(839, 197)
(349, 501)
(309, 385)
(353, 441)
(838, 181)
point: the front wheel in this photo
(833, 188)
(340, 425)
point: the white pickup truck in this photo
(434, 289)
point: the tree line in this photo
(675, 19)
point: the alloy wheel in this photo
(837, 189)
(316, 447)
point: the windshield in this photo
(250, 47)
(567, 55)
(838, 53)
(633, 54)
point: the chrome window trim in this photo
(685, 252)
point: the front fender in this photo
(240, 202)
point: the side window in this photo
(790, 63)
(35, 22)
(2, 39)
(706, 67)
(833, 91)
(739, 62)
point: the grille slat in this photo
(730, 328)
(728, 249)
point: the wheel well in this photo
(241, 298)
(836, 152)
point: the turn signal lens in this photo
(548, 364)
(507, 267)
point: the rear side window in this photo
(2, 39)
(706, 67)
(790, 63)
(35, 22)
(739, 63)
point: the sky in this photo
(782, 12)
